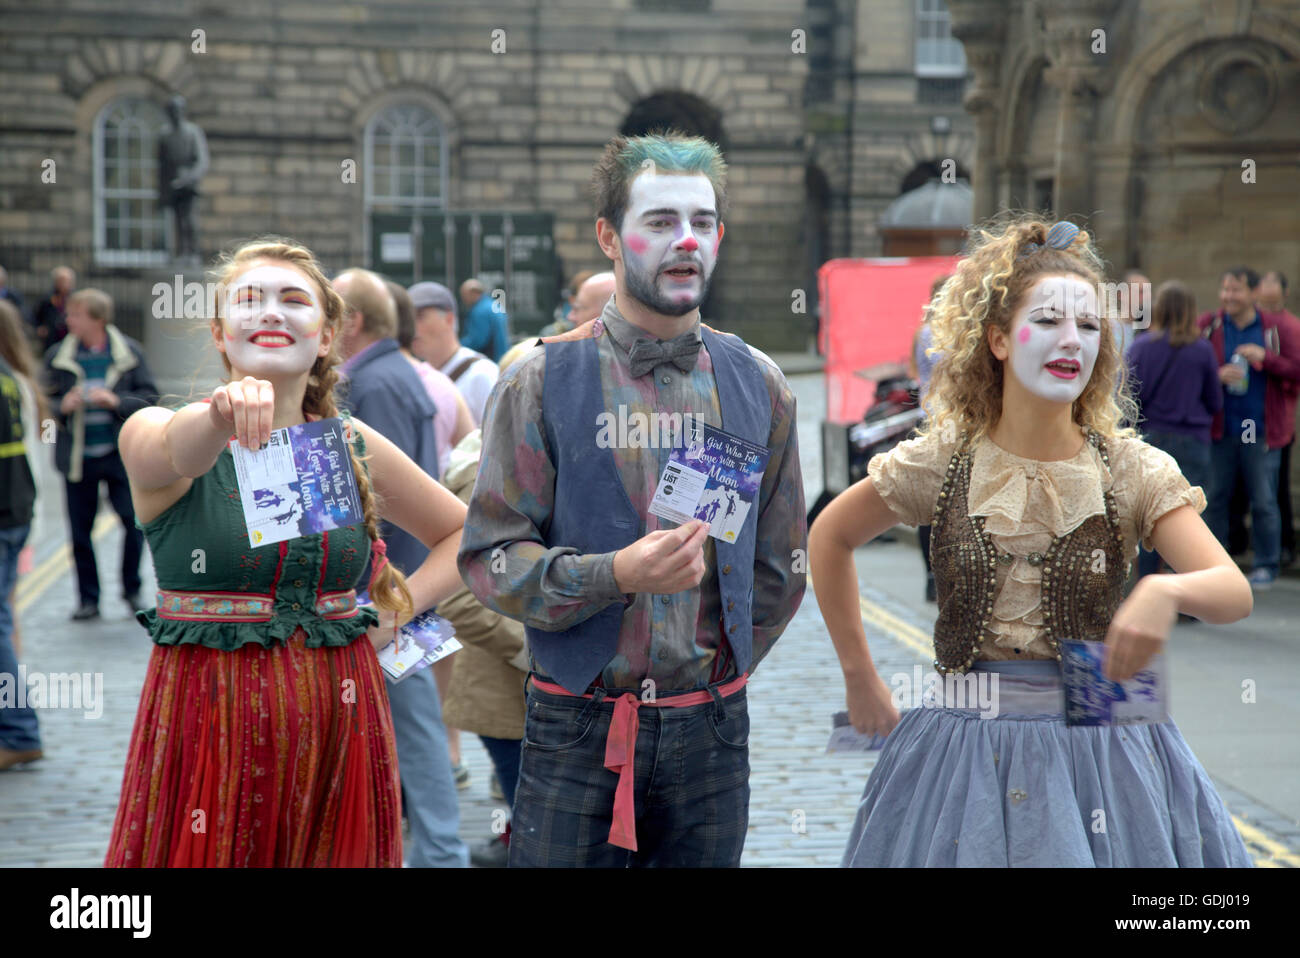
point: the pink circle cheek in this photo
(1023, 336)
(637, 245)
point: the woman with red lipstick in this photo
(1037, 500)
(263, 736)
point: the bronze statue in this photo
(182, 162)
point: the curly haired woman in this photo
(263, 736)
(1038, 499)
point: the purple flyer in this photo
(714, 477)
(300, 483)
(1093, 699)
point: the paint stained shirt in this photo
(674, 640)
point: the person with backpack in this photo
(20, 735)
(437, 342)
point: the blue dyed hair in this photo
(670, 151)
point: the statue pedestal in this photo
(178, 333)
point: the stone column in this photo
(981, 25)
(1072, 176)
(984, 176)
(1080, 76)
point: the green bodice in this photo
(231, 593)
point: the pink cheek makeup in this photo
(637, 244)
(1023, 336)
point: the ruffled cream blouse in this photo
(1026, 503)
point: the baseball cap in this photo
(432, 294)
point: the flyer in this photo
(845, 738)
(715, 476)
(298, 484)
(424, 640)
(1093, 699)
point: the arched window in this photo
(129, 224)
(405, 160)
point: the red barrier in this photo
(870, 311)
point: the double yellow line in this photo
(33, 585)
(1266, 852)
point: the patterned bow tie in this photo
(682, 352)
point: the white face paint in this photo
(670, 236)
(271, 322)
(1055, 337)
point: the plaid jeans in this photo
(691, 784)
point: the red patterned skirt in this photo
(280, 757)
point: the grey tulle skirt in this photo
(1024, 790)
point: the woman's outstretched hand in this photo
(871, 707)
(246, 408)
(1140, 628)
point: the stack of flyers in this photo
(715, 477)
(845, 738)
(299, 483)
(1093, 699)
(421, 642)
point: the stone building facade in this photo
(1171, 129)
(329, 121)
(324, 118)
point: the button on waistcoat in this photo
(1083, 572)
(593, 513)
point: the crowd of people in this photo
(607, 650)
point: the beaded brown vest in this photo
(1083, 572)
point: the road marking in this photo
(1267, 852)
(33, 585)
(912, 637)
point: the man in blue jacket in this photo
(486, 323)
(384, 391)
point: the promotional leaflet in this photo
(298, 484)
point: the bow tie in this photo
(682, 352)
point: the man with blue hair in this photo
(642, 632)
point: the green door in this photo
(513, 252)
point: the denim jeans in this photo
(1193, 458)
(19, 729)
(83, 504)
(428, 789)
(504, 753)
(690, 785)
(1259, 466)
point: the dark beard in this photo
(649, 295)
